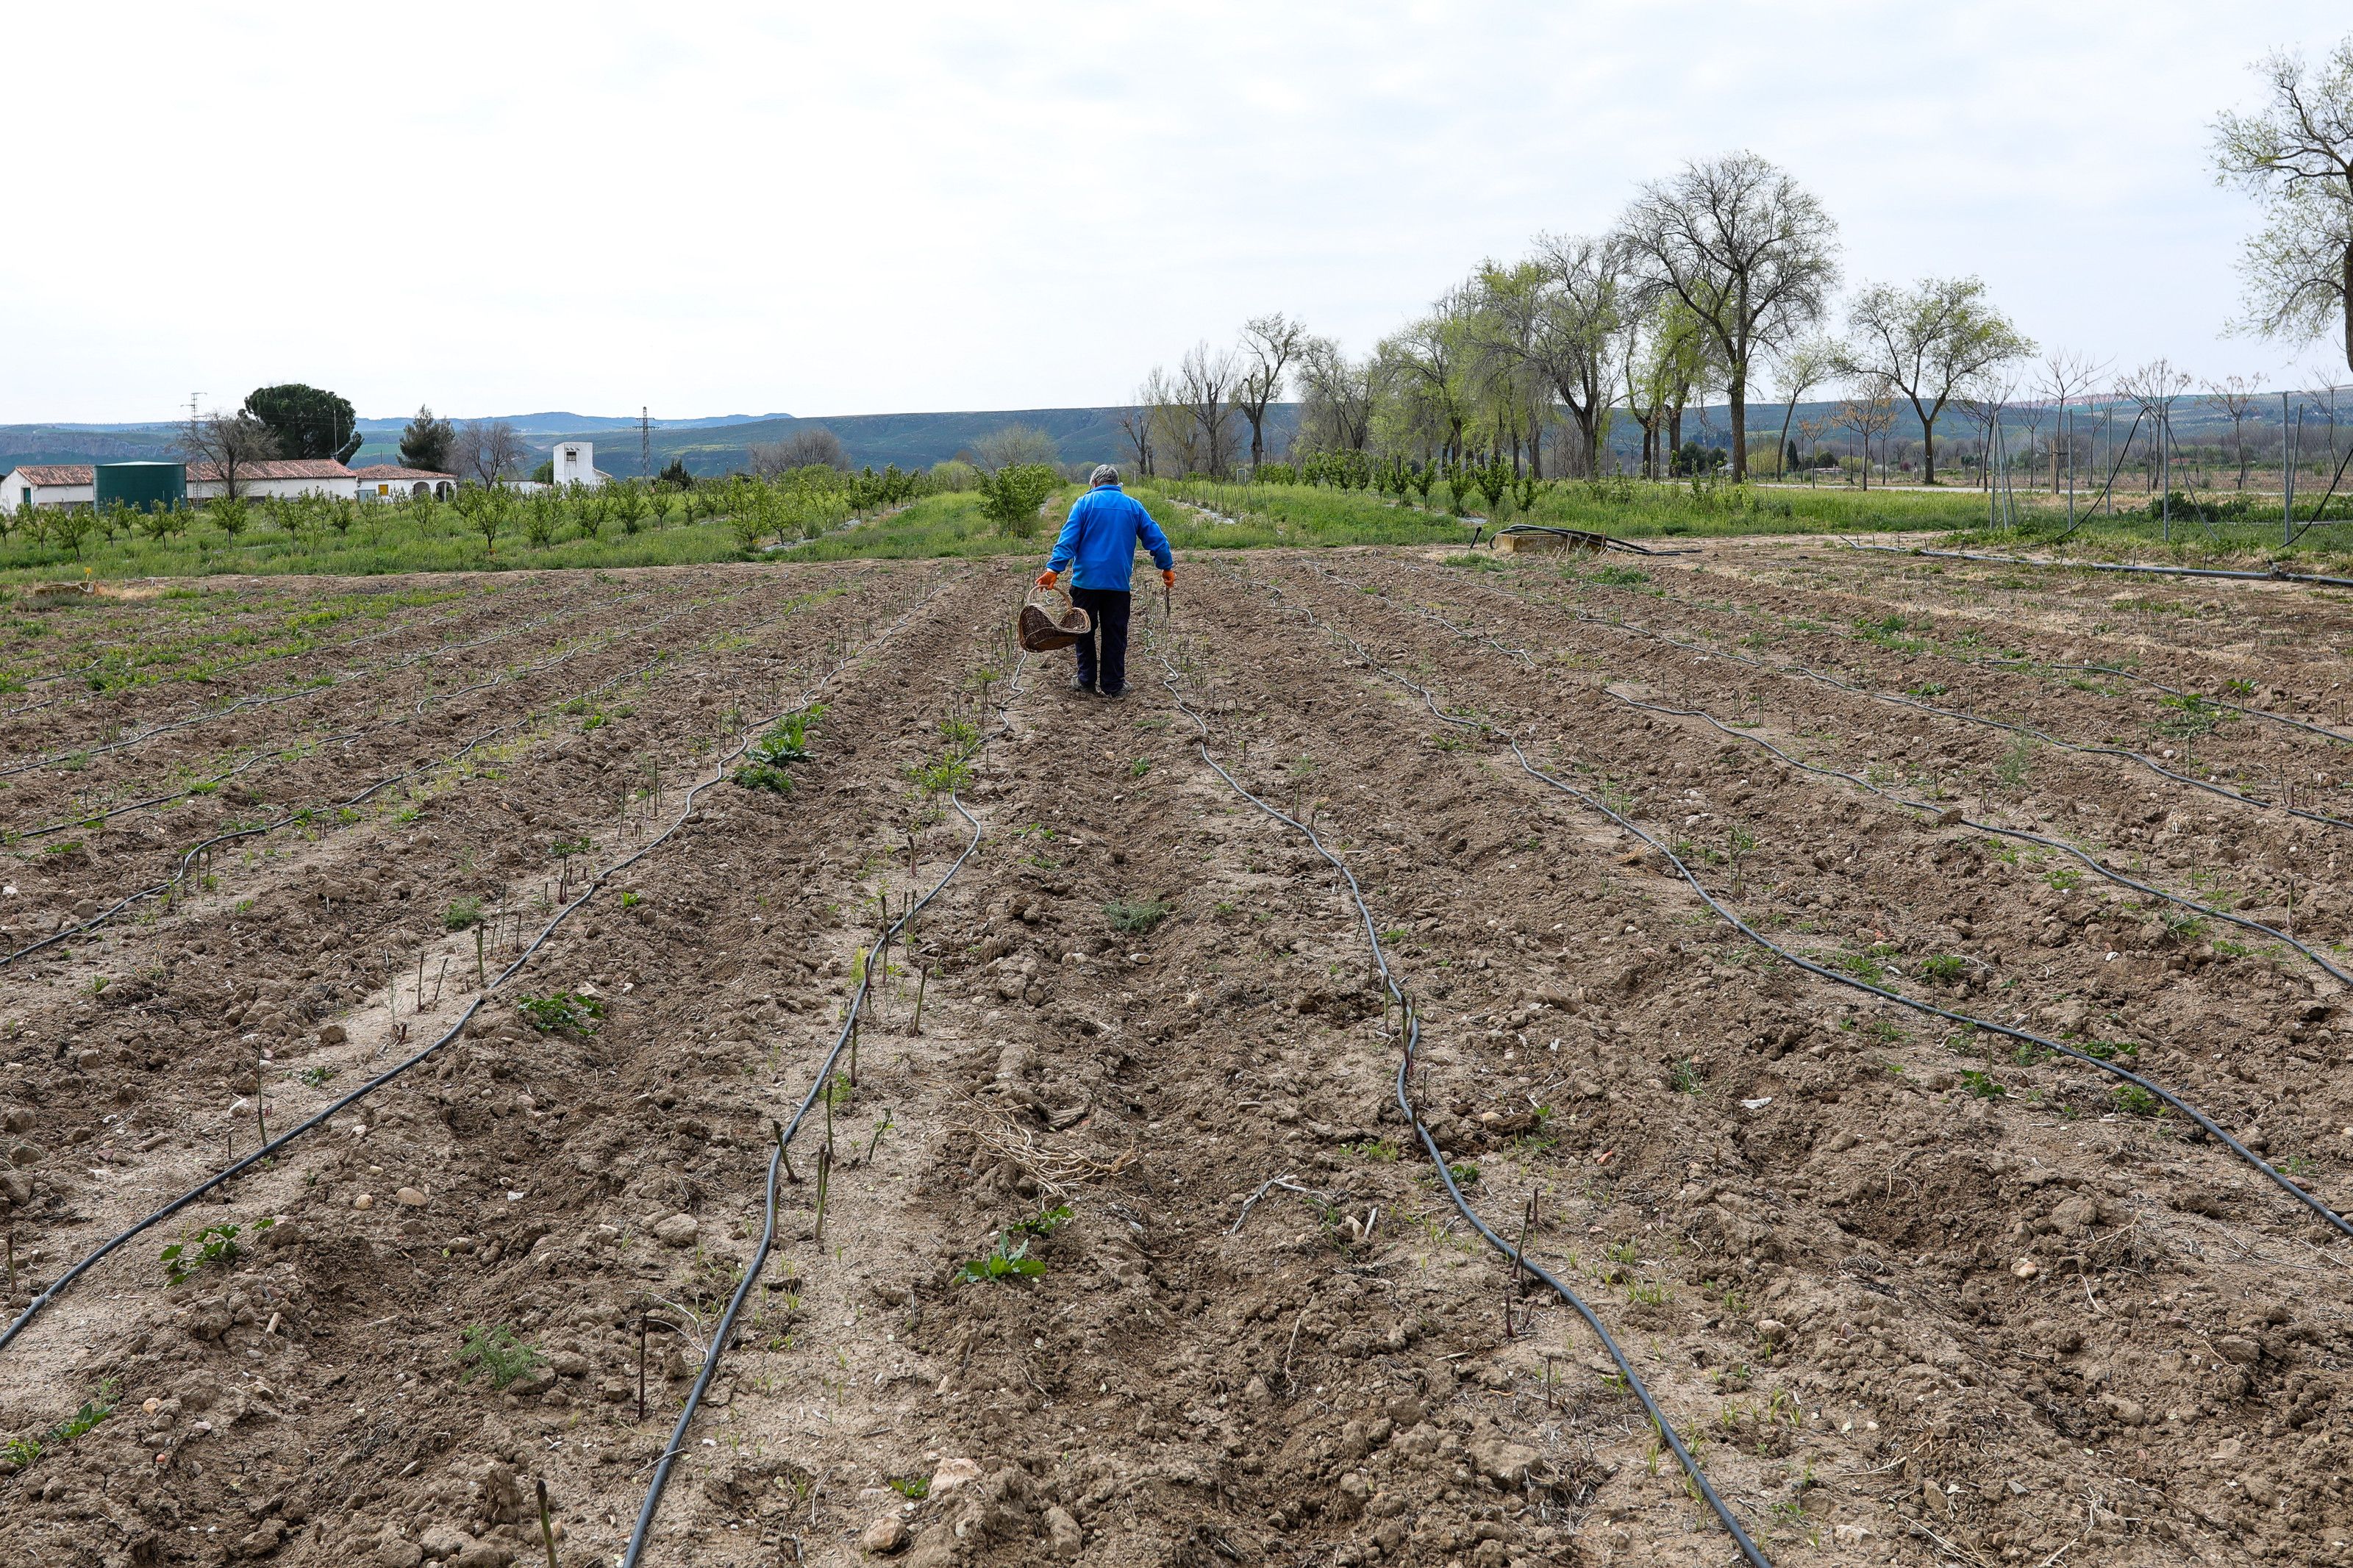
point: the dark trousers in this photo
(1106, 670)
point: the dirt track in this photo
(1912, 1294)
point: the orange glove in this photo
(1046, 579)
(1168, 577)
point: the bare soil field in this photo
(1899, 1002)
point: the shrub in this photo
(463, 914)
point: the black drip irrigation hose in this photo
(2274, 575)
(319, 1117)
(1960, 715)
(1665, 1429)
(287, 819)
(2206, 1123)
(1927, 807)
(640, 1535)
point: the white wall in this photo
(344, 487)
(12, 488)
(576, 463)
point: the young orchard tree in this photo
(2295, 156)
(1269, 346)
(1750, 252)
(1928, 342)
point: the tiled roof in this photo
(378, 473)
(59, 473)
(274, 469)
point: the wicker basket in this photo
(1044, 630)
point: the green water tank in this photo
(146, 486)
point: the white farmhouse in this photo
(575, 464)
(386, 481)
(279, 476)
(49, 484)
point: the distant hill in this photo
(717, 444)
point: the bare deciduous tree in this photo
(1800, 367)
(1929, 342)
(1747, 250)
(1869, 411)
(1579, 319)
(2065, 374)
(1204, 388)
(2237, 395)
(230, 445)
(1016, 445)
(487, 450)
(813, 446)
(1137, 423)
(1269, 346)
(1335, 399)
(2296, 156)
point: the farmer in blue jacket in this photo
(1099, 543)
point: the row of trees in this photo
(1721, 282)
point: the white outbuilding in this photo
(49, 484)
(279, 478)
(575, 464)
(387, 481)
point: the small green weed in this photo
(1982, 1084)
(1003, 1263)
(463, 913)
(914, 1489)
(1137, 916)
(499, 1351)
(562, 1014)
(1945, 967)
(215, 1245)
(2135, 1101)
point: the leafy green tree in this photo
(229, 515)
(1929, 342)
(674, 477)
(308, 422)
(425, 443)
(629, 507)
(2296, 156)
(1010, 497)
(1750, 253)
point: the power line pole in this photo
(645, 446)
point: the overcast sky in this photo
(834, 209)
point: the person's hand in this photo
(1168, 576)
(1046, 578)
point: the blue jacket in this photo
(1101, 535)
